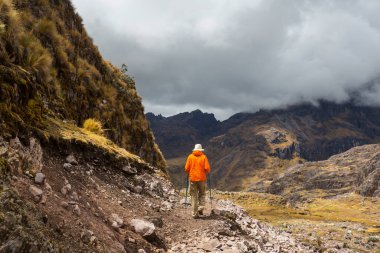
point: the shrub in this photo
(47, 28)
(93, 125)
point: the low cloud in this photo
(227, 56)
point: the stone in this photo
(65, 205)
(75, 196)
(166, 206)
(138, 189)
(67, 166)
(157, 221)
(116, 221)
(43, 199)
(39, 178)
(172, 199)
(211, 245)
(86, 236)
(71, 159)
(77, 210)
(141, 251)
(64, 190)
(36, 193)
(48, 187)
(129, 170)
(142, 227)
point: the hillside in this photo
(248, 150)
(356, 170)
(49, 68)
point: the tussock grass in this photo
(94, 126)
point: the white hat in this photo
(198, 147)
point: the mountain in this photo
(249, 150)
(178, 133)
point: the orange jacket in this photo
(197, 166)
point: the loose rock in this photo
(39, 178)
(71, 159)
(142, 227)
(76, 210)
(36, 193)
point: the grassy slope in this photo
(50, 68)
(318, 219)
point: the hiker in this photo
(197, 167)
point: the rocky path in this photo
(228, 228)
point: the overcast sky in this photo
(227, 56)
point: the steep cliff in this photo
(49, 68)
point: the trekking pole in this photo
(187, 187)
(209, 187)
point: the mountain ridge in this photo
(243, 146)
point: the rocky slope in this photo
(248, 150)
(356, 170)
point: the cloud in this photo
(229, 56)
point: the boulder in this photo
(142, 227)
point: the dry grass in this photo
(347, 208)
(94, 126)
(67, 131)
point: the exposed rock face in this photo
(244, 148)
(24, 158)
(369, 177)
(355, 170)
